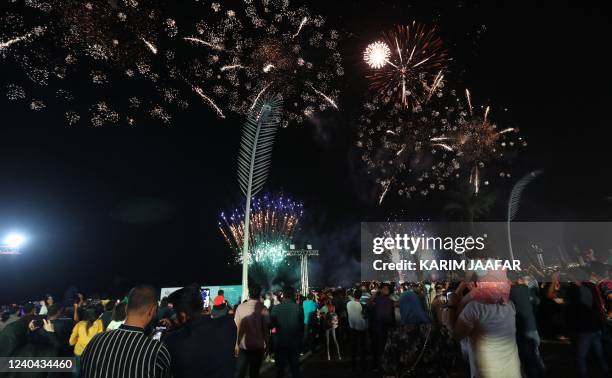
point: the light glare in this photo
(14, 240)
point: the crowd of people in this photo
(483, 325)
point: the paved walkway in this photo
(558, 357)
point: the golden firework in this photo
(406, 65)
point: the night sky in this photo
(106, 208)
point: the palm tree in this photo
(468, 206)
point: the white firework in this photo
(377, 54)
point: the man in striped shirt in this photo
(127, 351)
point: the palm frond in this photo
(465, 202)
(514, 201)
(254, 161)
(258, 135)
(517, 192)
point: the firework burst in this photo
(406, 65)
(394, 255)
(268, 47)
(121, 34)
(477, 141)
(419, 151)
(273, 224)
(398, 151)
(223, 59)
(377, 55)
(73, 53)
(86, 49)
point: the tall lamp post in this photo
(303, 254)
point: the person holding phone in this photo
(128, 351)
(203, 345)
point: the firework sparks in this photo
(468, 98)
(36, 32)
(418, 151)
(271, 47)
(403, 150)
(94, 43)
(409, 74)
(6, 44)
(274, 222)
(304, 20)
(209, 100)
(268, 67)
(262, 46)
(231, 67)
(509, 129)
(436, 85)
(476, 141)
(411, 229)
(477, 138)
(475, 179)
(325, 97)
(445, 146)
(386, 185)
(214, 46)
(150, 46)
(269, 253)
(377, 54)
(258, 96)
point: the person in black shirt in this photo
(586, 317)
(63, 327)
(202, 346)
(527, 336)
(127, 351)
(383, 319)
(288, 319)
(164, 313)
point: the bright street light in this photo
(14, 240)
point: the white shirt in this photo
(252, 319)
(355, 316)
(492, 341)
(114, 325)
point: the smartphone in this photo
(157, 333)
(205, 292)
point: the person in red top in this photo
(219, 299)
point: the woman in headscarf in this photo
(411, 311)
(416, 347)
